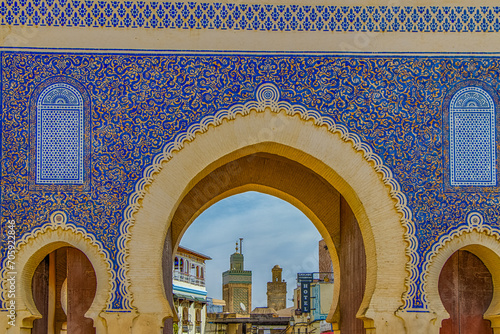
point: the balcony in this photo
(183, 277)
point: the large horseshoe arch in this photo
(283, 139)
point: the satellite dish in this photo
(243, 307)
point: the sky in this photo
(273, 232)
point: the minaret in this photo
(276, 290)
(237, 285)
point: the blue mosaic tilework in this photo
(193, 15)
(472, 149)
(140, 103)
(60, 136)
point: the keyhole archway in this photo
(64, 286)
(33, 261)
(320, 202)
(449, 287)
(178, 193)
(466, 290)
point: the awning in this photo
(184, 297)
(189, 298)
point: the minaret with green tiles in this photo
(237, 284)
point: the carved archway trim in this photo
(158, 193)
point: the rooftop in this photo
(185, 250)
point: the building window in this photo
(60, 136)
(472, 138)
(176, 263)
(198, 316)
(185, 315)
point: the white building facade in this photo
(190, 293)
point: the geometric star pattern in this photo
(59, 136)
(472, 139)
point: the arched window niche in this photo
(59, 136)
(60, 128)
(472, 151)
(472, 138)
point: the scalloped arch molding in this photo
(267, 99)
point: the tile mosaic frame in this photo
(33, 185)
(447, 187)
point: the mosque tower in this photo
(237, 284)
(276, 290)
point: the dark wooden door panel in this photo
(352, 271)
(81, 291)
(466, 289)
(40, 288)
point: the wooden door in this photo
(352, 271)
(81, 292)
(40, 288)
(466, 290)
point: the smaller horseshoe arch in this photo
(36, 248)
(466, 289)
(481, 248)
(64, 287)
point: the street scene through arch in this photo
(277, 236)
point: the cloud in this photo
(274, 232)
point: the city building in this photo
(190, 293)
(261, 320)
(237, 284)
(312, 301)
(215, 305)
(266, 320)
(325, 261)
(276, 290)
(313, 297)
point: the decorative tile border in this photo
(260, 17)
